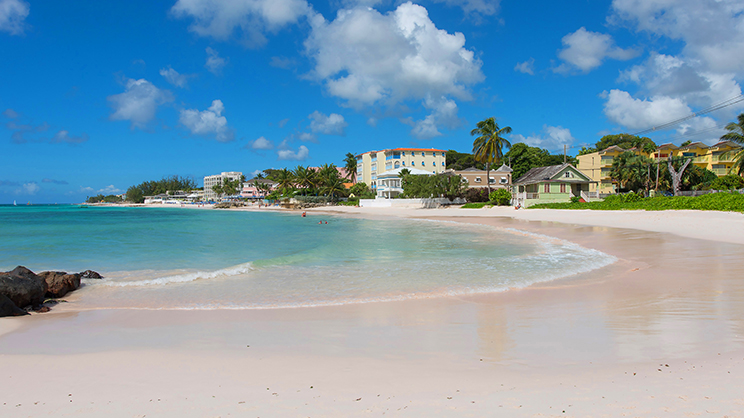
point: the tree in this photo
(677, 175)
(362, 191)
(524, 157)
(461, 161)
(350, 164)
(305, 177)
(631, 171)
(487, 147)
(625, 141)
(284, 178)
(736, 134)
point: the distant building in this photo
(500, 178)
(389, 183)
(372, 163)
(551, 184)
(258, 188)
(216, 179)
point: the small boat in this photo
(14, 203)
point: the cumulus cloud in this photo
(110, 189)
(288, 154)
(214, 63)
(64, 136)
(527, 67)
(443, 112)
(52, 181)
(620, 107)
(261, 143)
(551, 137)
(13, 15)
(209, 123)
(307, 137)
(333, 124)
(174, 77)
(585, 50)
(30, 188)
(139, 102)
(10, 113)
(371, 59)
(249, 19)
(474, 9)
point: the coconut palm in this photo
(351, 166)
(736, 134)
(305, 177)
(487, 147)
(285, 179)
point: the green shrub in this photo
(575, 199)
(501, 197)
(730, 202)
(474, 205)
(727, 182)
(476, 195)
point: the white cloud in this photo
(443, 112)
(13, 14)
(208, 122)
(639, 114)
(111, 189)
(262, 143)
(307, 137)
(10, 113)
(551, 137)
(585, 50)
(527, 67)
(30, 188)
(214, 63)
(139, 102)
(172, 76)
(283, 122)
(282, 62)
(370, 59)
(219, 19)
(288, 154)
(64, 136)
(333, 124)
(475, 9)
(712, 30)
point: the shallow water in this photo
(171, 258)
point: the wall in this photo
(408, 203)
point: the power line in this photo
(713, 108)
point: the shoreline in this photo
(594, 344)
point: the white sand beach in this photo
(658, 333)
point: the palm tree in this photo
(305, 177)
(487, 147)
(736, 134)
(285, 179)
(351, 166)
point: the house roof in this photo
(400, 149)
(540, 174)
(695, 145)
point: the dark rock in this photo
(22, 287)
(59, 283)
(8, 308)
(90, 274)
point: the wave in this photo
(179, 278)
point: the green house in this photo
(555, 183)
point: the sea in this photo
(177, 258)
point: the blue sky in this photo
(97, 96)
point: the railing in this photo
(700, 159)
(720, 171)
(532, 195)
(606, 160)
(723, 158)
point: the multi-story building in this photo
(373, 163)
(499, 178)
(216, 179)
(718, 158)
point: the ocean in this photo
(174, 258)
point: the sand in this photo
(659, 333)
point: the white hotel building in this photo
(373, 163)
(210, 181)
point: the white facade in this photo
(369, 164)
(216, 179)
(389, 183)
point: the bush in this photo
(575, 199)
(733, 202)
(475, 205)
(727, 182)
(501, 197)
(476, 195)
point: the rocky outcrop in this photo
(90, 274)
(8, 308)
(22, 287)
(59, 283)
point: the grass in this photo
(727, 202)
(475, 205)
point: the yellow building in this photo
(373, 163)
(718, 158)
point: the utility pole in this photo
(564, 153)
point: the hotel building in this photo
(216, 179)
(373, 163)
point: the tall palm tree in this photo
(736, 134)
(285, 179)
(487, 147)
(351, 166)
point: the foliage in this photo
(461, 161)
(476, 195)
(501, 197)
(361, 191)
(736, 134)
(727, 182)
(112, 198)
(625, 141)
(350, 164)
(475, 205)
(585, 150)
(229, 187)
(732, 202)
(314, 199)
(137, 193)
(439, 185)
(488, 146)
(575, 199)
(631, 171)
(524, 158)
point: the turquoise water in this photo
(172, 258)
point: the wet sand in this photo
(660, 332)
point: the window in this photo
(563, 187)
(546, 188)
(442, 163)
(491, 180)
(503, 180)
(403, 163)
(568, 174)
(434, 163)
(413, 163)
(477, 179)
(433, 154)
(403, 153)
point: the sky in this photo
(97, 96)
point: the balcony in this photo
(724, 158)
(720, 171)
(605, 161)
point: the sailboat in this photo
(14, 203)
